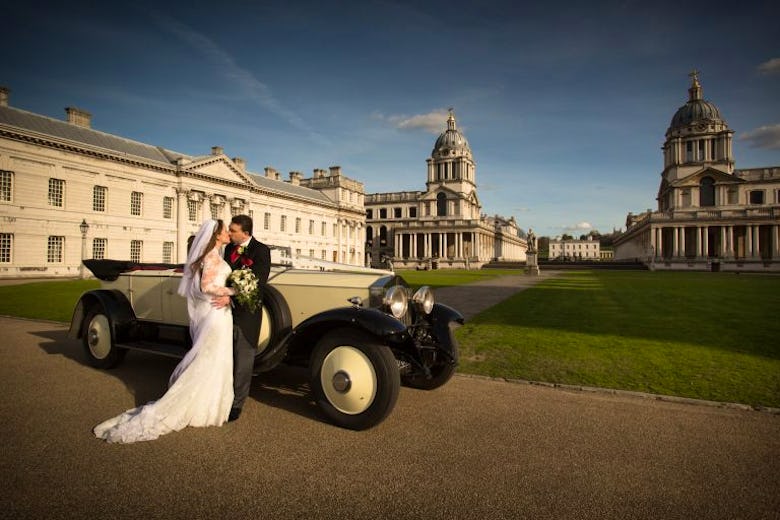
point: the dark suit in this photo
(246, 324)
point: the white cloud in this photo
(433, 122)
(578, 227)
(770, 67)
(767, 137)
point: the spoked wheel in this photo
(98, 343)
(354, 379)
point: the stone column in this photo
(749, 252)
(756, 240)
(676, 242)
(182, 217)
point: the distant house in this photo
(573, 250)
(710, 216)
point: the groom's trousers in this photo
(243, 367)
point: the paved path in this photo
(475, 448)
(473, 298)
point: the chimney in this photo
(335, 170)
(4, 92)
(79, 117)
(295, 178)
(270, 173)
(216, 150)
(240, 162)
(318, 174)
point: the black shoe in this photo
(235, 413)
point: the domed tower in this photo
(451, 183)
(697, 138)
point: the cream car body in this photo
(360, 331)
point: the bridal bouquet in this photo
(244, 282)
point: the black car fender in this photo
(440, 319)
(114, 305)
(384, 327)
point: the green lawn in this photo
(703, 335)
(44, 300)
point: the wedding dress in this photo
(200, 390)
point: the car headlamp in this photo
(395, 300)
(423, 299)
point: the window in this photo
(6, 185)
(396, 212)
(383, 213)
(412, 212)
(55, 249)
(369, 213)
(688, 151)
(167, 252)
(6, 245)
(311, 229)
(732, 196)
(441, 205)
(56, 192)
(216, 210)
(167, 207)
(311, 253)
(757, 197)
(267, 221)
(283, 223)
(136, 199)
(136, 247)
(99, 198)
(192, 210)
(297, 252)
(297, 225)
(335, 230)
(99, 248)
(707, 192)
(324, 230)
(324, 254)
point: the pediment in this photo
(432, 193)
(219, 167)
(695, 178)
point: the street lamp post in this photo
(83, 227)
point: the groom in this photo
(244, 251)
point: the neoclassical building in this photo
(710, 216)
(573, 249)
(69, 192)
(443, 225)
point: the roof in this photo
(63, 130)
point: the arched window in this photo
(369, 235)
(707, 192)
(383, 236)
(441, 205)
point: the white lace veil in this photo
(190, 284)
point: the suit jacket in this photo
(259, 256)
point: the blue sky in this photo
(564, 104)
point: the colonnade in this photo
(453, 244)
(730, 241)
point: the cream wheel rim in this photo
(348, 380)
(99, 336)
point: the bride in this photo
(200, 390)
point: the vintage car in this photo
(361, 332)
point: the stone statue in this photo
(531, 241)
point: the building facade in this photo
(442, 226)
(69, 192)
(573, 250)
(710, 216)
